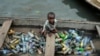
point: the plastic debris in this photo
(5, 51)
(76, 42)
(11, 32)
(67, 42)
(20, 42)
(92, 45)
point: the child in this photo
(50, 24)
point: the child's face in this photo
(51, 18)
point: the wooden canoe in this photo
(95, 3)
(25, 25)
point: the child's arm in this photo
(44, 27)
(55, 25)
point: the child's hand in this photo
(43, 33)
(54, 31)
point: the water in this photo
(64, 9)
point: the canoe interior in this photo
(93, 33)
(88, 27)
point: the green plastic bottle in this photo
(80, 49)
(63, 36)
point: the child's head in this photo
(51, 17)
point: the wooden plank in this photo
(50, 45)
(94, 3)
(98, 29)
(86, 25)
(3, 31)
(61, 24)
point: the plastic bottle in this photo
(78, 38)
(92, 45)
(30, 34)
(31, 51)
(22, 38)
(64, 46)
(18, 48)
(78, 52)
(80, 49)
(39, 51)
(87, 53)
(24, 49)
(73, 32)
(26, 38)
(11, 32)
(14, 43)
(62, 35)
(85, 40)
(5, 51)
(14, 51)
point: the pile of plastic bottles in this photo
(69, 42)
(74, 42)
(18, 42)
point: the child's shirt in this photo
(49, 26)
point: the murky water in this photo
(64, 9)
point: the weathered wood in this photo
(95, 3)
(50, 45)
(61, 24)
(4, 30)
(86, 25)
(98, 29)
